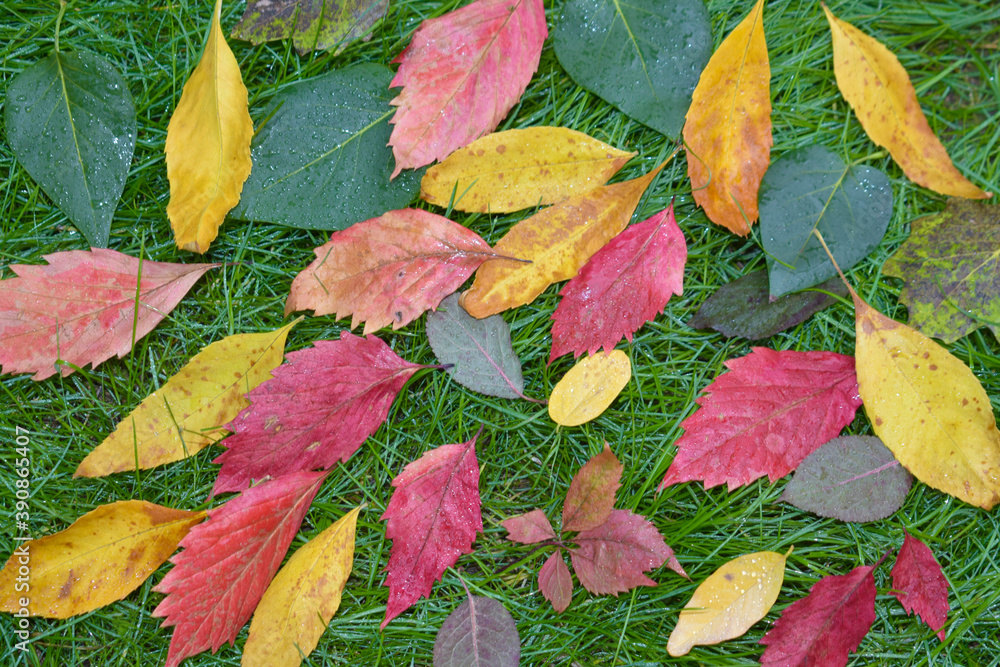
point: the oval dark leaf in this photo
(479, 633)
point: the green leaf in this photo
(321, 160)
(742, 307)
(642, 56)
(312, 24)
(811, 188)
(71, 123)
(951, 264)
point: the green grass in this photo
(951, 51)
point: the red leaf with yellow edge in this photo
(591, 494)
(920, 585)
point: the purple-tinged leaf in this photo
(479, 633)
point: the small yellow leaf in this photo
(208, 144)
(516, 169)
(185, 415)
(589, 388)
(877, 87)
(105, 555)
(729, 602)
(928, 408)
(302, 598)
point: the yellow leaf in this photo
(928, 408)
(732, 599)
(516, 169)
(105, 555)
(302, 598)
(728, 126)
(877, 87)
(185, 415)
(556, 242)
(208, 144)
(589, 388)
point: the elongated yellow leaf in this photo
(877, 87)
(553, 244)
(185, 415)
(729, 602)
(589, 388)
(208, 144)
(302, 598)
(515, 169)
(928, 408)
(105, 555)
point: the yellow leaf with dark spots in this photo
(589, 388)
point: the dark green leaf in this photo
(321, 161)
(851, 478)
(71, 123)
(811, 188)
(643, 56)
(951, 264)
(479, 633)
(742, 307)
(312, 24)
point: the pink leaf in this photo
(920, 584)
(555, 583)
(529, 528)
(591, 494)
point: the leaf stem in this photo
(829, 254)
(62, 10)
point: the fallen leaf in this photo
(811, 188)
(589, 388)
(591, 494)
(920, 585)
(228, 561)
(461, 74)
(555, 582)
(763, 417)
(81, 308)
(479, 633)
(742, 307)
(529, 528)
(105, 555)
(851, 478)
(312, 24)
(556, 242)
(879, 90)
(727, 131)
(316, 410)
(516, 169)
(302, 598)
(729, 601)
(625, 284)
(184, 415)
(432, 519)
(388, 270)
(208, 144)
(951, 263)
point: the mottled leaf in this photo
(555, 582)
(529, 528)
(591, 494)
(479, 633)
(920, 585)
(312, 24)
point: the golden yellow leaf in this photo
(728, 126)
(877, 87)
(556, 242)
(516, 169)
(105, 555)
(729, 602)
(589, 388)
(302, 598)
(185, 415)
(928, 408)
(208, 144)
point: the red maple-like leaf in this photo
(763, 417)
(823, 627)
(529, 528)
(591, 494)
(432, 519)
(228, 562)
(624, 285)
(461, 74)
(81, 308)
(555, 582)
(920, 585)
(316, 410)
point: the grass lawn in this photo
(951, 50)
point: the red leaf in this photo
(555, 582)
(461, 74)
(612, 557)
(822, 628)
(432, 519)
(228, 562)
(766, 415)
(920, 584)
(316, 410)
(591, 494)
(529, 528)
(624, 285)
(81, 308)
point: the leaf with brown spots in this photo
(105, 555)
